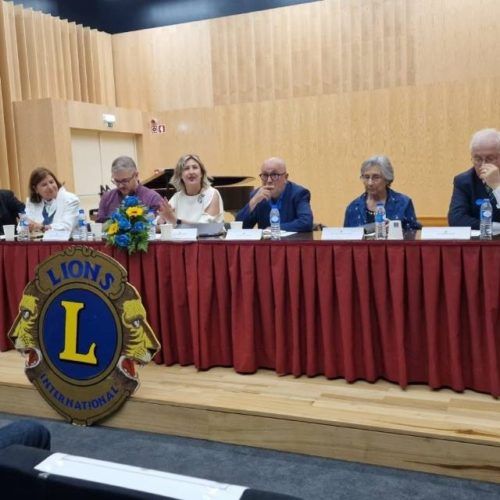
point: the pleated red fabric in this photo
(426, 312)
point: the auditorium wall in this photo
(46, 57)
(323, 84)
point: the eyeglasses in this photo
(273, 176)
(373, 178)
(479, 160)
(122, 182)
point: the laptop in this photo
(206, 229)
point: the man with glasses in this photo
(292, 200)
(479, 182)
(125, 177)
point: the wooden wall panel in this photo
(22, 52)
(57, 33)
(40, 53)
(82, 63)
(66, 64)
(75, 61)
(11, 89)
(4, 156)
(49, 64)
(176, 58)
(43, 56)
(89, 65)
(32, 60)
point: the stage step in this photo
(418, 429)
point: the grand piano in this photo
(235, 190)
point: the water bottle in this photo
(274, 219)
(81, 231)
(485, 231)
(150, 217)
(23, 233)
(380, 233)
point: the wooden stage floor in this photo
(419, 429)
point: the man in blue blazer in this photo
(479, 182)
(292, 200)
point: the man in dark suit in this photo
(292, 200)
(479, 182)
(10, 206)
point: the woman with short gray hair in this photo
(377, 175)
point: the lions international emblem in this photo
(82, 328)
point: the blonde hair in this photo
(176, 179)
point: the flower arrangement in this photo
(128, 227)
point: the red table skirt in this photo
(424, 312)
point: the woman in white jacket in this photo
(49, 205)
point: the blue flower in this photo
(122, 240)
(130, 201)
(138, 227)
(124, 223)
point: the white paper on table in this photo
(266, 233)
(187, 234)
(138, 478)
(445, 233)
(56, 235)
(342, 233)
(244, 234)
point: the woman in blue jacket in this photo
(377, 175)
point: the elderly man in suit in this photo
(481, 181)
(292, 200)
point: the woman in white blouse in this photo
(195, 200)
(49, 205)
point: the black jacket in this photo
(10, 206)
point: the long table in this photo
(409, 311)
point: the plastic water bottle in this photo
(150, 217)
(81, 232)
(274, 219)
(485, 220)
(23, 233)
(380, 233)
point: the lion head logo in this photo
(24, 333)
(140, 343)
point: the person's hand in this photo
(490, 175)
(35, 226)
(264, 193)
(167, 213)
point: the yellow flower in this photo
(113, 228)
(134, 211)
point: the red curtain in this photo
(424, 312)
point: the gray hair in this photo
(123, 163)
(381, 162)
(176, 179)
(485, 135)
